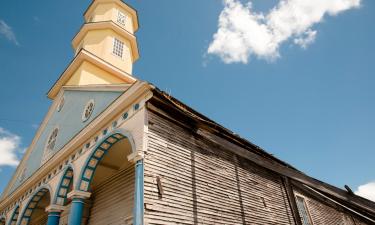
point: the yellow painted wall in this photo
(88, 74)
(109, 11)
(100, 43)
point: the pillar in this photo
(138, 194)
(54, 213)
(77, 206)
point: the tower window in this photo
(121, 18)
(118, 47)
(52, 140)
(302, 209)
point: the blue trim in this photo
(12, 219)
(67, 168)
(125, 116)
(139, 194)
(53, 218)
(123, 133)
(45, 188)
(76, 212)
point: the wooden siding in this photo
(200, 184)
(41, 220)
(112, 201)
(323, 214)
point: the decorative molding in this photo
(70, 152)
(99, 151)
(135, 156)
(55, 208)
(79, 194)
(82, 56)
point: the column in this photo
(138, 194)
(77, 205)
(54, 213)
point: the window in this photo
(89, 108)
(52, 140)
(22, 174)
(61, 104)
(302, 209)
(118, 47)
(121, 18)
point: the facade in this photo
(113, 149)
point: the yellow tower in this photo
(105, 47)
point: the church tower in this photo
(105, 47)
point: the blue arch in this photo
(29, 207)
(13, 218)
(66, 180)
(100, 150)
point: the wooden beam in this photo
(292, 200)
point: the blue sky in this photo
(309, 102)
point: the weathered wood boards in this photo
(112, 201)
(203, 182)
(203, 185)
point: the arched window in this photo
(89, 108)
(61, 104)
(52, 139)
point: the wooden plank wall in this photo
(113, 200)
(200, 184)
(323, 214)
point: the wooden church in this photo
(113, 149)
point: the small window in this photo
(52, 140)
(302, 209)
(118, 47)
(89, 108)
(22, 174)
(121, 18)
(61, 104)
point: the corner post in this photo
(138, 212)
(76, 212)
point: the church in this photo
(113, 149)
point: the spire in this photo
(105, 47)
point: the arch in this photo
(97, 155)
(65, 182)
(13, 218)
(32, 204)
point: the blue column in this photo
(53, 218)
(138, 194)
(76, 211)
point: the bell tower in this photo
(105, 47)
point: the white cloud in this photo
(9, 145)
(367, 191)
(7, 32)
(243, 33)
